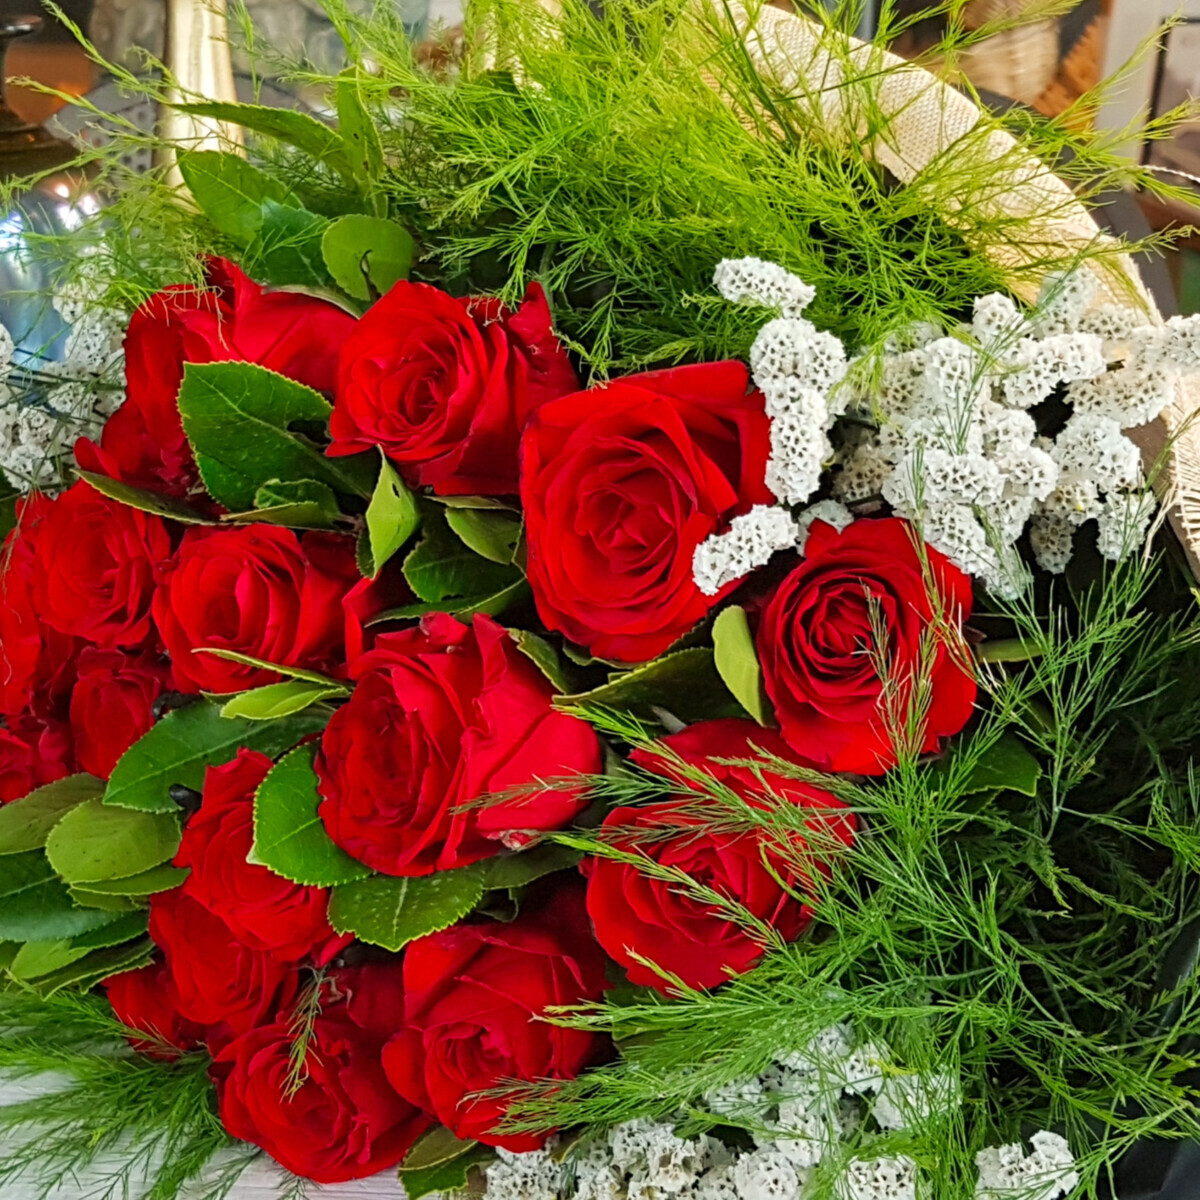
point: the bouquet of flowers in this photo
(580, 667)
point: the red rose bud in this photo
(112, 705)
(473, 998)
(445, 386)
(36, 660)
(95, 560)
(220, 982)
(620, 484)
(339, 1118)
(442, 715)
(230, 319)
(33, 752)
(637, 916)
(817, 642)
(261, 909)
(146, 1000)
(259, 590)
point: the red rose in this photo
(33, 752)
(219, 982)
(146, 1000)
(231, 319)
(817, 645)
(636, 915)
(367, 599)
(263, 910)
(445, 386)
(259, 590)
(95, 564)
(620, 484)
(36, 660)
(473, 998)
(343, 1121)
(444, 714)
(112, 705)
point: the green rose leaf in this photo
(239, 418)
(685, 683)
(102, 900)
(543, 656)
(737, 661)
(447, 1177)
(442, 569)
(289, 836)
(390, 912)
(367, 255)
(230, 191)
(517, 870)
(435, 1147)
(493, 605)
(304, 504)
(152, 502)
(295, 672)
(392, 517)
(187, 741)
(1006, 766)
(26, 823)
(145, 883)
(493, 535)
(95, 842)
(360, 138)
(40, 958)
(35, 905)
(97, 965)
(287, 125)
(277, 700)
(287, 248)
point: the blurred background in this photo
(1046, 64)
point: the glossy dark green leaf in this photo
(360, 138)
(289, 836)
(493, 535)
(390, 912)
(35, 905)
(158, 503)
(230, 191)
(392, 517)
(145, 883)
(287, 247)
(304, 504)
(97, 965)
(543, 656)
(517, 870)
(442, 569)
(1006, 766)
(186, 742)
(277, 700)
(366, 256)
(737, 661)
(97, 841)
(239, 418)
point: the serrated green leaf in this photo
(517, 870)
(737, 661)
(104, 901)
(493, 535)
(366, 256)
(543, 656)
(295, 672)
(286, 125)
(289, 836)
(187, 741)
(435, 1147)
(41, 958)
(442, 569)
(97, 965)
(95, 841)
(26, 823)
(123, 929)
(684, 683)
(1006, 766)
(390, 912)
(35, 905)
(450, 1174)
(277, 700)
(157, 503)
(287, 247)
(464, 609)
(360, 138)
(239, 417)
(230, 191)
(303, 504)
(392, 517)
(145, 883)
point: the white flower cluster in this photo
(45, 406)
(957, 449)
(801, 1113)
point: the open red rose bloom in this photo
(319, 664)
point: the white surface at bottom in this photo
(263, 1179)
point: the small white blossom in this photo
(1046, 1173)
(997, 321)
(754, 281)
(1114, 324)
(1094, 448)
(793, 347)
(829, 511)
(879, 1179)
(864, 472)
(1052, 540)
(907, 1101)
(1175, 344)
(1123, 522)
(767, 1174)
(1063, 301)
(747, 544)
(799, 451)
(1040, 366)
(530, 1176)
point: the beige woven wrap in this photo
(926, 122)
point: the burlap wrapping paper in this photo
(927, 122)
